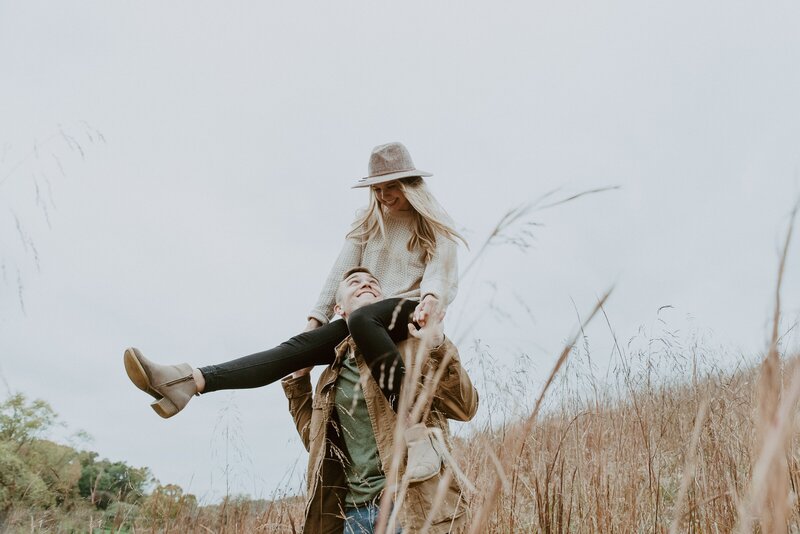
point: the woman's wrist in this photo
(312, 324)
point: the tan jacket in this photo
(316, 421)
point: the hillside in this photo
(631, 457)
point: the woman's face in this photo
(391, 197)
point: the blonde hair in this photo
(430, 219)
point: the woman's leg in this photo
(315, 347)
(376, 329)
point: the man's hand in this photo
(311, 325)
(432, 332)
(429, 306)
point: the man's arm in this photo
(455, 396)
(298, 391)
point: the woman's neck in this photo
(400, 214)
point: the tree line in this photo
(58, 484)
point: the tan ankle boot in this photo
(171, 385)
(424, 460)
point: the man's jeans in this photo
(361, 520)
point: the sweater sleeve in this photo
(440, 278)
(349, 257)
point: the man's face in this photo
(355, 291)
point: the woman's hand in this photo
(432, 334)
(311, 325)
(428, 307)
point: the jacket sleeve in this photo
(298, 391)
(349, 257)
(440, 278)
(455, 395)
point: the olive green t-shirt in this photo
(365, 478)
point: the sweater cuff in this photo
(436, 287)
(319, 316)
(295, 387)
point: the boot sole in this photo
(135, 371)
(163, 406)
(417, 480)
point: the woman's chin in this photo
(396, 208)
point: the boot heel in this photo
(164, 407)
(171, 385)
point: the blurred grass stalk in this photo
(709, 450)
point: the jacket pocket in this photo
(422, 496)
(320, 413)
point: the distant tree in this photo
(20, 485)
(22, 421)
(37, 473)
(104, 482)
(33, 472)
(167, 503)
(58, 466)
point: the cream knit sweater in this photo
(402, 273)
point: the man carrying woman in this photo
(348, 427)
(404, 238)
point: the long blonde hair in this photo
(430, 219)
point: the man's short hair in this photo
(359, 269)
(348, 273)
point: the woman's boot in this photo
(171, 385)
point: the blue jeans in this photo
(361, 520)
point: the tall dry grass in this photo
(671, 442)
(648, 452)
(598, 464)
(645, 453)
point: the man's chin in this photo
(364, 300)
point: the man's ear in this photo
(337, 309)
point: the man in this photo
(348, 428)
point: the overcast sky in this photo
(220, 140)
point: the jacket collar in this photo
(331, 373)
(342, 349)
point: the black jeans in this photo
(375, 328)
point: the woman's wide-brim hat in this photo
(388, 162)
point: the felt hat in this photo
(388, 162)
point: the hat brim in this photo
(383, 178)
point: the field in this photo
(669, 440)
(679, 446)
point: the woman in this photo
(404, 237)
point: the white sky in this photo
(202, 229)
